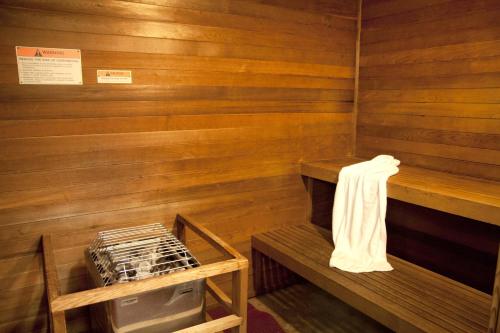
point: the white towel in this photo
(358, 223)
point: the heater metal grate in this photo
(136, 253)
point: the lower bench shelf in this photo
(407, 299)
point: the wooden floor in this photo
(304, 308)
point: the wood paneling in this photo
(429, 92)
(228, 97)
(430, 84)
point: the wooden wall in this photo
(228, 97)
(429, 94)
(430, 84)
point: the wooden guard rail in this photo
(235, 264)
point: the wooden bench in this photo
(410, 298)
(474, 198)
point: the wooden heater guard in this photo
(235, 264)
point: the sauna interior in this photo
(228, 121)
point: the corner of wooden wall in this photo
(356, 80)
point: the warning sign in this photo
(41, 65)
(114, 76)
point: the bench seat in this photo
(407, 299)
(470, 197)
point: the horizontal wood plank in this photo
(227, 98)
(429, 72)
(408, 298)
(470, 197)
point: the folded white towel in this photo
(358, 223)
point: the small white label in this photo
(114, 76)
(129, 301)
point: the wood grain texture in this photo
(494, 324)
(473, 198)
(429, 80)
(228, 98)
(231, 261)
(407, 299)
(57, 319)
(214, 326)
(429, 238)
(219, 295)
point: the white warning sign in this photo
(41, 65)
(114, 76)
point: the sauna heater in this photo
(135, 253)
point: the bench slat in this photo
(474, 198)
(422, 286)
(408, 299)
(400, 290)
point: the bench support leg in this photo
(309, 209)
(258, 273)
(494, 325)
